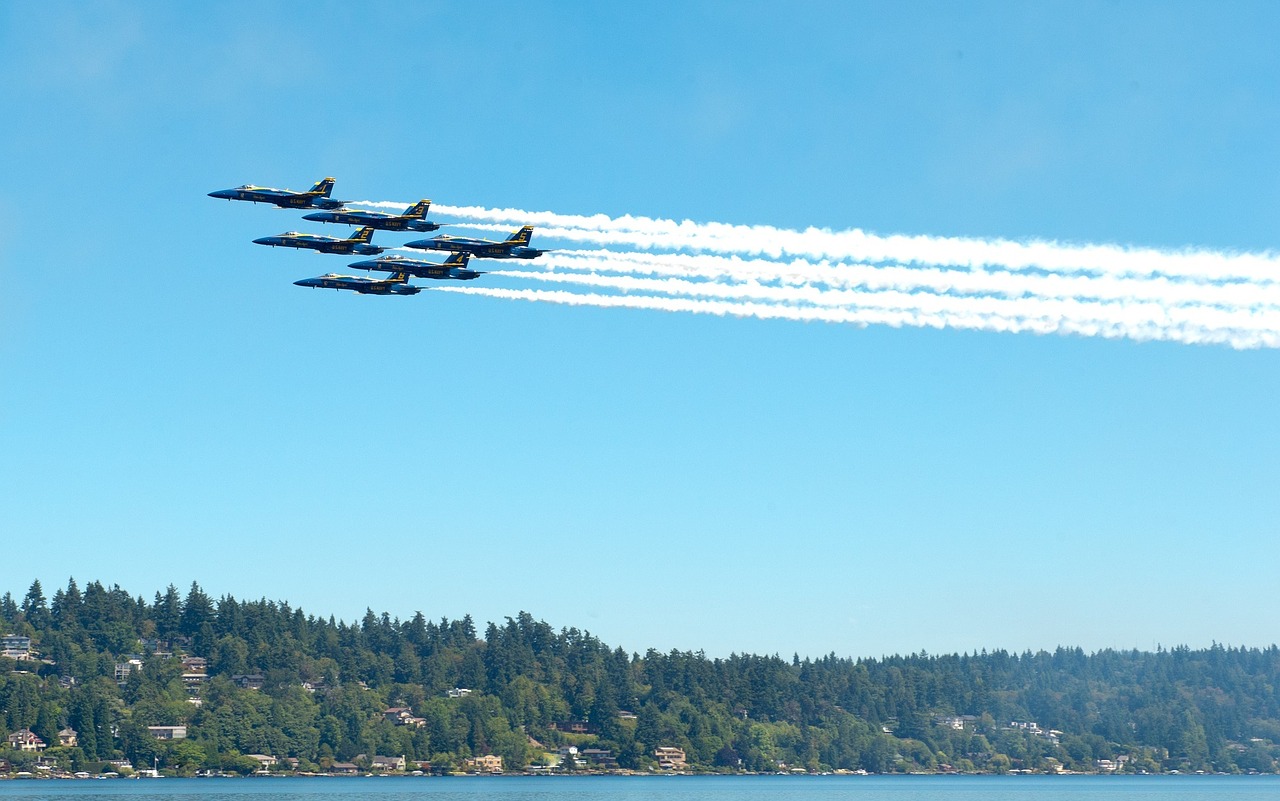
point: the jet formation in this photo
(400, 268)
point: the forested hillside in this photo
(277, 681)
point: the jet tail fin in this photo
(323, 187)
(418, 210)
(522, 236)
(363, 235)
(458, 260)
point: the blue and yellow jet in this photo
(357, 244)
(515, 246)
(413, 219)
(397, 284)
(454, 267)
(316, 198)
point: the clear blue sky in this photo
(173, 408)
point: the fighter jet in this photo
(356, 244)
(397, 284)
(515, 246)
(316, 198)
(454, 267)
(413, 219)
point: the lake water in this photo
(662, 788)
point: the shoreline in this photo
(637, 774)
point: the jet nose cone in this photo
(367, 264)
(265, 240)
(221, 193)
(420, 244)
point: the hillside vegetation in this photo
(285, 683)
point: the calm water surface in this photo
(666, 788)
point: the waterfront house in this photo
(126, 668)
(574, 726)
(15, 646)
(568, 756)
(25, 740)
(168, 732)
(600, 757)
(489, 763)
(670, 758)
(265, 761)
(249, 681)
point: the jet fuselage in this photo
(361, 284)
(455, 268)
(322, 244)
(479, 248)
(374, 219)
(284, 198)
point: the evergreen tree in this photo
(8, 611)
(33, 607)
(167, 612)
(197, 611)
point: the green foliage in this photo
(1213, 709)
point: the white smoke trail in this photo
(849, 276)
(852, 276)
(1137, 320)
(1232, 296)
(896, 317)
(855, 244)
